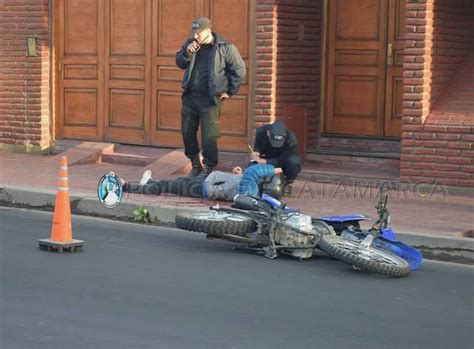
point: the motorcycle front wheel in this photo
(215, 223)
(371, 259)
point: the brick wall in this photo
(24, 96)
(265, 62)
(453, 38)
(288, 60)
(437, 127)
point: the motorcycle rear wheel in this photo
(372, 259)
(215, 223)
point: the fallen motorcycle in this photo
(371, 250)
(265, 225)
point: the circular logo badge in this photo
(110, 190)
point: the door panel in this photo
(127, 27)
(171, 26)
(236, 111)
(126, 64)
(364, 78)
(79, 64)
(167, 102)
(80, 105)
(235, 30)
(358, 20)
(356, 66)
(394, 94)
(126, 108)
(349, 106)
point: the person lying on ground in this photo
(218, 185)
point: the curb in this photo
(448, 249)
(441, 248)
(83, 204)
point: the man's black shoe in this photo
(287, 188)
(207, 171)
(197, 167)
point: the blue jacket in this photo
(226, 68)
(252, 176)
(225, 186)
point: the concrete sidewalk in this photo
(431, 218)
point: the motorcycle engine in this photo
(291, 238)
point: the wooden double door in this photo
(364, 82)
(117, 78)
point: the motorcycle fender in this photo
(408, 253)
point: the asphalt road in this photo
(137, 286)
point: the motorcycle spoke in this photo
(369, 254)
(219, 216)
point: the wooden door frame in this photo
(54, 70)
(252, 72)
(55, 75)
(133, 136)
(324, 78)
(392, 69)
(324, 83)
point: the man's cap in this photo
(278, 133)
(199, 24)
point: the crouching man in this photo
(275, 144)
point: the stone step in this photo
(140, 150)
(359, 146)
(62, 145)
(357, 177)
(126, 159)
(368, 171)
(171, 164)
(85, 153)
(357, 153)
(162, 162)
(352, 161)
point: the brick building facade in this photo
(290, 39)
(26, 118)
(438, 102)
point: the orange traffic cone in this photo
(61, 232)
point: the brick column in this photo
(266, 53)
(25, 97)
(438, 116)
(288, 47)
(417, 62)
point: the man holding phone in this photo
(214, 72)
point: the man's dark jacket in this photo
(226, 68)
(271, 154)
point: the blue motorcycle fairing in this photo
(277, 203)
(338, 219)
(271, 200)
(388, 234)
(344, 218)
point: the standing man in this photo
(276, 145)
(214, 72)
